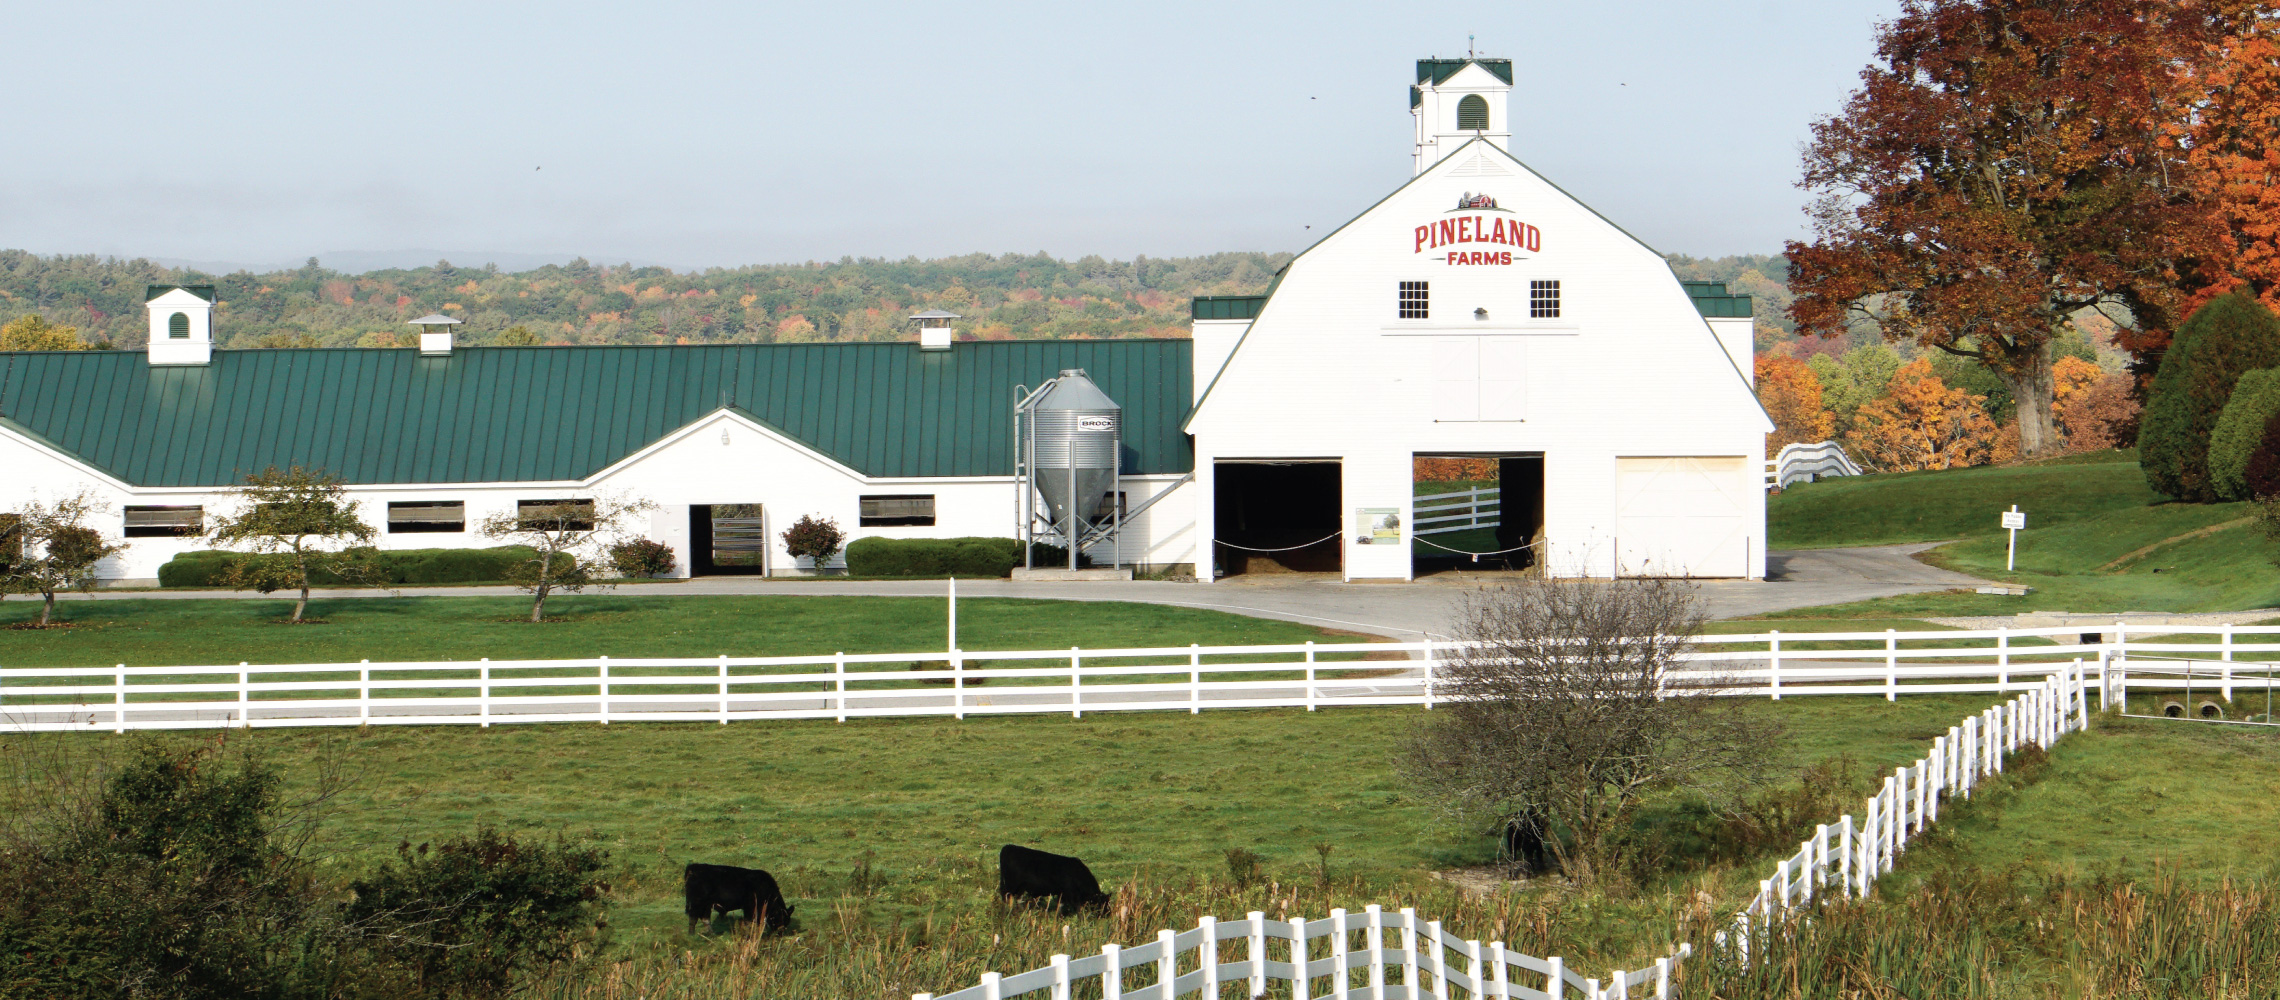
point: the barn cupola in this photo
(181, 324)
(1458, 100)
(934, 333)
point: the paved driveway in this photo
(1803, 578)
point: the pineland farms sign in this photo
(1478, 229)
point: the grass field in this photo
(1895, 508)
(170, 632)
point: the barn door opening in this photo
(729, 539)
(1478, 512)
(1277, 516)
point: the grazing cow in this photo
(710, 889)
(1024, 873)
(1524, 842)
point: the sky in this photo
(703, 134)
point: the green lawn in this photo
(171, 632)
(1895, 508)
(2126, 796)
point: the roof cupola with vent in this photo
(1458, 100)
(181, 324)
(435, 334)
(934, 333)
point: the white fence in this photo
(1396, 957)
(1441, 513)
(957, 683)
(1851, 854)
(1808, 462)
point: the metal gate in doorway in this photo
(728, 540)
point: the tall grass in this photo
(2015, 935)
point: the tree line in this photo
(1001, 297)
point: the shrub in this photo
(642, 557)
(414, 567)
(2240, 429)
(2260, 476)
(472, 913)
(2232, 335)
(818, 538)
(972, 557)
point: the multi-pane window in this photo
(1544, 299)
(896, 510)
(407, 516)
(556, 515)
(164, 522)
(1414, 301)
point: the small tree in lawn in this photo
(816, 537)
(567, 539)
(293, 523)
(47, 548)
(1565, 714)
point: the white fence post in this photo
(991, 989)
(364, 690)
(724, 689)
(1195, 680)
(1503, 970)
(1891, 665)
(1258, 951)
(1408, 951)
(1373, 937)
(1558, 987)
(1773, 663)
(839, 678)
(1207, 954)
(119, 700)
(1845, 853)
(1429, 673)
(957, 685)
(1299, 979)
(1310, 675)
(244, 696)
(484, 680)
(1076, 684)
(1341, 965)
(1167, 965)
(1111, 972)
(1060, 977)
(603, 703)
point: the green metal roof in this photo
(202, 291)
(1227, 306)
(521, 414)
(1440, 70)
(1713, 302)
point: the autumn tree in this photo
(567, 538)
(1921, 423)
(34, 333)
(2232, 145)
(2221, 341)
(292, 524)
(2005, 164)
(2091, 405)
(1791, 395)
(47, 548)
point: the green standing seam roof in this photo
(1440, 70)
(1227, 306)
(202, 291)
(527, 414)
(1713, 301)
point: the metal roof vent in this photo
(934, 332)
(435, 334)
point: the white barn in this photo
(1477, 311)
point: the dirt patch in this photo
(36, 627)
(304, 621)
(1481, 881)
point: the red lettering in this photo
(1535, 239)
(1445, 232)
(1423, 232)
(1504, 258)
(1496, 234)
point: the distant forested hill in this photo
(1002, 297)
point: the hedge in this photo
(945, 556)
(2232, 335)
(2240, 428)
(205, 568)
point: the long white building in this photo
(1477, 311)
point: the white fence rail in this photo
(1396, 956)
(1807, 462)
(957, 683)
(1848, 856)
(1441, 513)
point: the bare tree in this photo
(559, 533)
(296, 522)
(1564, 714)
(47, 548)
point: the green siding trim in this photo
(1713, 302)
(529, 414)
(202, 291)
(1228, 306)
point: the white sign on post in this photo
(2013, 519)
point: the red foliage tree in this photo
(2005, 164)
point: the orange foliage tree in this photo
(2101, 415)
(1791, 395)
(1452, 470)
(1920, 423)
(2233, 148)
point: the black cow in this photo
(1524, 842)
(1024, 873)
(710, 889)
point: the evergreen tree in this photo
(2232, 335)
